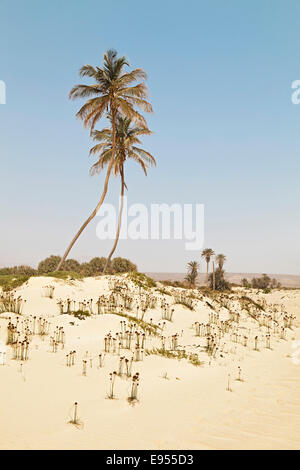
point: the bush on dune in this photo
(122, 265)
(49, 264)
(12, 281)
(97, 265)
(12, 277)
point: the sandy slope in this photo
(191, 408)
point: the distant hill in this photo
(286, 280)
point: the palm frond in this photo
(128, 110)
(133, 76)
(140, 91)
(145, 155)
(87, 70)
(101, 162)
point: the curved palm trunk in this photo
(119, 220)
(207, 263)
(102, 196)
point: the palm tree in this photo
(220, 260)
(193, 268)
(111, 93)
(127, 139)
(207, 253)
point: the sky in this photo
(225, 131)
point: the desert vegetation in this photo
(13, 277)
(121, 334)
(264, 282)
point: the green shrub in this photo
(12, 281)
(163, 291)
(71, 265)
(64, 275)
(81, 314)
(49, 264)
(122, 265)
(219, 283)
(142, 280)
(97, 265)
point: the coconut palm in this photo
(193, 268)
(111, 93)
(127, 141)
(207, 253)
(220, 260)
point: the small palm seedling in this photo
(138, 354)
(49, 291)
(167, 312)
(2, 357)
(60, 305)
(8, 303)
(112, 379)
(101, 360)
(283, 333)
(73, 357)
(128, 339)
(42, 327)
(174, 342)
(12, 333)
(183, 299)
(228, 388)
(75, 420)
(121, 366)
(133, 397)
(197, 327)
(239, 375)
(20, 350)
(53, 345)
(128, 365)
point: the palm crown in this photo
(112, 91)
(221, 260)
(127, 146)
(207, 253)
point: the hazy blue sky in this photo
(226, 132)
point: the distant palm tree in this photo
(127, 141)
(207, 253)
(220, 260)
(193, 268)
(111, 93)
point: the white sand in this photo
(190, 409)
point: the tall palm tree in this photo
(220, 260)
(111, 93)
(193, 268)
(207, 253)
(127, 141)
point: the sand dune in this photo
(180, 405)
